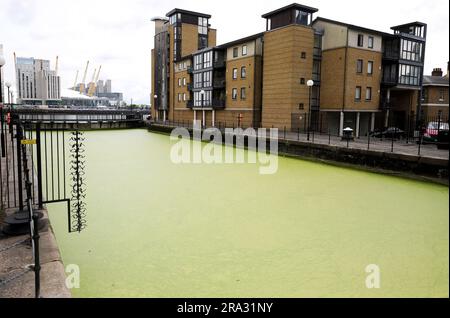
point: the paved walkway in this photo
(15, 261)
(406, 147)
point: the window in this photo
(179, 97)
(198, 62)
(207, 79)
(243, 72)
(179, 66)
(235, 72)
(184, 81)
(301, 106)
(360, 40)
(411, 50)
(302, 81)
(303, 55)
(235, 52)
(442, 95)
(244, 50)
(301, 17)
(184, 65)
(409, 74)
(424, 94)
(370, 44)
(184, 96)
(368, 93)
(179, 82)
(359, 66)
(207, 59)
(358, 93)
(370, 67)
(202, 99)
(243, 95)
(198, 80)
(234, 94)
(202, 25)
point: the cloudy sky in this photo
(118, 34)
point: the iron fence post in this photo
(39, 165)
(19, 165)
(37, 263)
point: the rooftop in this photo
(242, 40)
(291, 6)
(351, 26)
(435, 81)
(198, 14)
(417, 23)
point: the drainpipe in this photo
(388, 102)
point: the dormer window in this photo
(302, 17)
(291, 14)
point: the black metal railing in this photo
(408, 134)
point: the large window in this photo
(411, 50)
(358, 93)
(409, 75)
(202, 100)
(207, 59)
(198, 62)
(207, 79)
(202, 25)
(301, 17)
(370, 67)
(198, 80)
(359, 66)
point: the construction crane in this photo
(82, 84)
(76, 79)
(93, 85)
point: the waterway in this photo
(158, 229)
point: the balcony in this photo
(190, 69)
(219, 83)
(219, 64)
(190, 104)
(218, 103)
(190, 86)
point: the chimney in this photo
(437, 72)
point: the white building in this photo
(36, 83)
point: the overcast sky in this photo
(119, 34)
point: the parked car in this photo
(431, 132)
(390, 132)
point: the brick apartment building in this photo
(338, 73)
(435, 94)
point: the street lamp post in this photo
(155, 99)
(310, 84)
(202, 94)
(2, 62)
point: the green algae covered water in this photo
(157, 229)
